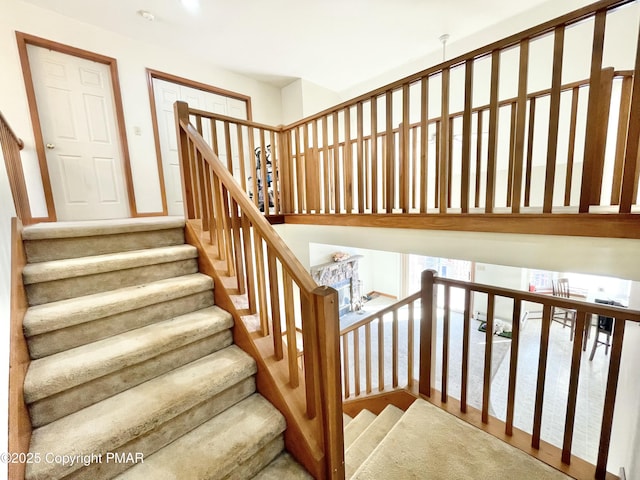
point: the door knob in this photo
(50, 146)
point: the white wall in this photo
(499, 276)
(302, 98)
(133, 57)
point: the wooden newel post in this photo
(181, 113)
(328, 324)
(429, 304)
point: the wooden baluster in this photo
(285, 166)
(575, 95)
(313, 170)
(336, 162)
(521, 119)
(610, 397)
(209, 200)
(394, 350)
(466, 333)
(300, 173)
(328, 333)
(360, 159)
(275, 162)
(218, 216)
(367, 346)
(181, 114)
(589, 169)
(405, 158)
(410, 345)
(260, 277)
(311, 354)
(249, 265)
(346, 364)
(347, 155)
(436, 190)
(274, 294)
(290, 321)
(201, 206)
(390, 194)
(227, 147)
(493, 133)
(466, 136)
(512, 151)
(214, 137)
(623, 125)
(513, 364)
(488, 352)
(478, 160)
(326, 165)
(243, 168)
(374, 155)
(424, 142)
(383, 170)
(195, 178)
(429, 301)
(445, 152)
(226, 229)
(573, 386)
(237, 247)
(450, 163)
(380, 353)
(554, 119)
(542, 371)
(366, 174)
(263, 173)
(356, 361)
(415, 170)
(530, 139)
(631, 170)
(445, 345)
(253, 165)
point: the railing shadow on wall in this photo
(409, 347)
(287, 322)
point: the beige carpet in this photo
(428, 443)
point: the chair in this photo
(604, 325)
(564, 315)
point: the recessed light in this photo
(147, 15)
(191, 5)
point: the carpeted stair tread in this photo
(65, 313)
(44, 231)
(82, 266)
(358, 425)
(284, 467)
(428, 442)
(56, 373)
(369, 439)
(113, 422)
(346, 420)
(213, 450)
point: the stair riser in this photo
(45, 292)
(169, 431)
(64, 339)
(257, 461)
(64, 403)
(74, 247)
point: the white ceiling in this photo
(280, 40)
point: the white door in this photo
(166, 94)
(77, 115)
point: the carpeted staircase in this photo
(134, 372)
(427, 443)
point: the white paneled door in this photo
(166, 94)
(77, 115)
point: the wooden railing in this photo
(410, 359)
(404, 148)
(273, 291)
(11, 145)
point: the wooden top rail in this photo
(18, 140)
(224, 118)
(511, 41)
(370, 318)
(259, 222)
(596, 308)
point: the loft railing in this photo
(453, 137)
(409, 345)
(295, 336)
(11, 145)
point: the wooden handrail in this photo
(426, 347)
(244, 249)
(11, 145)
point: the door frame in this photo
(25, 39)
(185, 82)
